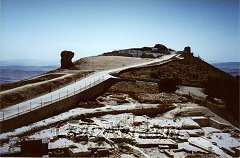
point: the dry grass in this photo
(106, 62)
(23, 93)
(45, 77)
(190, 72)
(131, 87)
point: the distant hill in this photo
(28, 62)
(15, 73)
(232, 68)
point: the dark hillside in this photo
(193, 71)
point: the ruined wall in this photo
(57, 107)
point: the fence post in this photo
(51, 98)
(80, 88)
(59, 96)
(74, 91)
(41, 102)
(30, 105)
(18, 110)
(3, 114)
(67, 93)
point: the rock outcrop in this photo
(161, 47)
(66, 59)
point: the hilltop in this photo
(175, 105)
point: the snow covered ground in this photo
(192, 91)
(210, 141)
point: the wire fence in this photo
(39, 102)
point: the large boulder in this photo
(159, 48)
(66, 59)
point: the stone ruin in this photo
(187, 54)
(66, 59)
(187, 50)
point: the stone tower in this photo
(187, 50)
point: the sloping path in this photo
(73, 88)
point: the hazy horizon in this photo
(34, 62)
(41, 29)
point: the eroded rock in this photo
(66, 59)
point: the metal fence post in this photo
(30, 105)
(74, 91)
(3, 114)
(18, 109)
(41, 102)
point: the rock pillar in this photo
(66, 59)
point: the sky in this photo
(41, 29)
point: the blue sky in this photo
(41, 29)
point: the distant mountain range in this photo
(28, 62)
(233, 68)
(19, 69)
(10, 74)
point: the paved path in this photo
(71, 89)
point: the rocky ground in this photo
(122, 127)
(146, 92)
